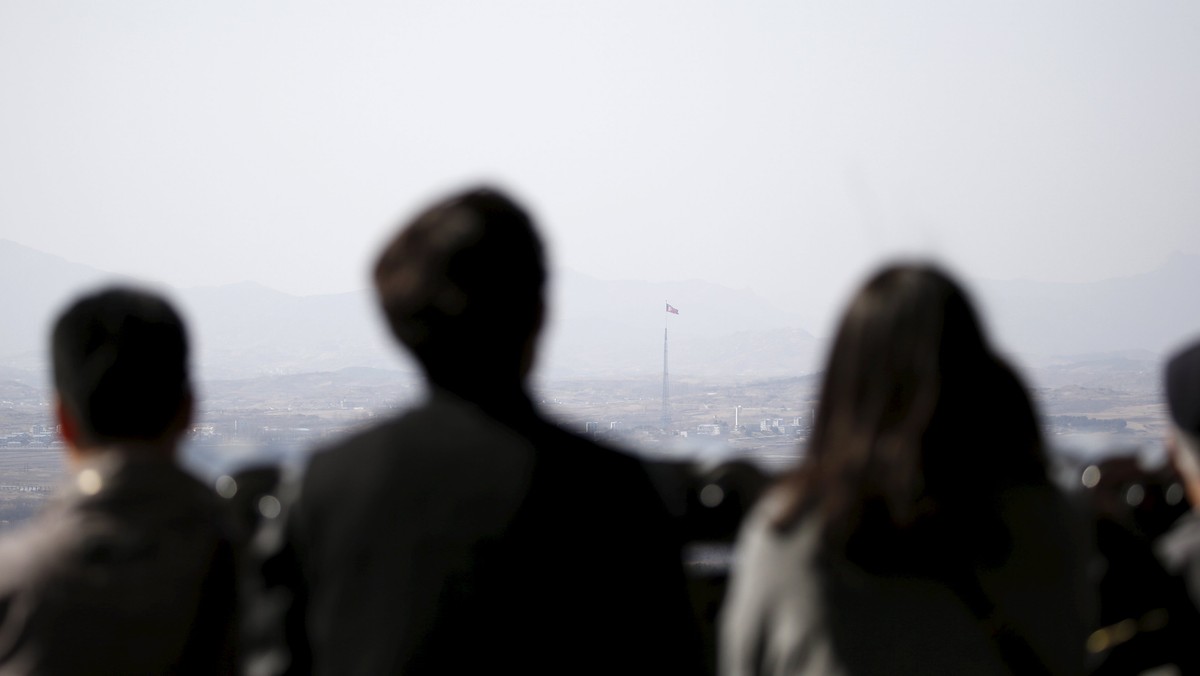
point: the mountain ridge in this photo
(605, 328)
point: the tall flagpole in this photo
(666, 395)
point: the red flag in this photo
(671, 309)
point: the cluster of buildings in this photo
(794, 426)
(38, 436)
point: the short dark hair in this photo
(463, 280)
(1181, 380)
(120, 364)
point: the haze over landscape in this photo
(777, 147)
(1088, 349)
(749, 164)
(603, 328)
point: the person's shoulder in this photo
(120, 487)
(1040, 515)
(606, 469)
(1179, 547)
(553, 438)
(441, 435)
(49, 552)
(436, 421)
(773, 607)
(379, 437)
(360, 441)
(24, 552)
(35, 582)
(763, 536)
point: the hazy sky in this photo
(782, 146)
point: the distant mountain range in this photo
(239, 330)
(596, 328)
(1154, 312)
(601, 328)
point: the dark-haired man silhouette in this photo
(130, 571)
(469, 535)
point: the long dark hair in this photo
(919, 429)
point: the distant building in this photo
(203, 431)
(709, 430)
(591, 427)
(779, 425)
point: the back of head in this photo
(906, 337)
(1182, 381)
(906, 424)
(461, 285)
(120, 365)
(1181, 378)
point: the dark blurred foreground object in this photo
(131, 570)
(1180, 548)
(708, 501)
(1146, 618)
(1182, 379)
(1139, 505)
(708, 504)
(252, 494)
(256, 497)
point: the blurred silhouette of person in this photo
(1148, 622)
(469, 535)
(920, 533)
(131, 569)
(1179, 549)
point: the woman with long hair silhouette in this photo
(920, 533)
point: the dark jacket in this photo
(455, 539)
(130, 571)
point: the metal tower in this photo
(666, 399)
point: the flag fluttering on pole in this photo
(672, 309)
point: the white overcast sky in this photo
(782, 146)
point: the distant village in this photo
(26, 421)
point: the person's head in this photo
(1182, 384)
(916, 413)
(462, 287)
(120, 370)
